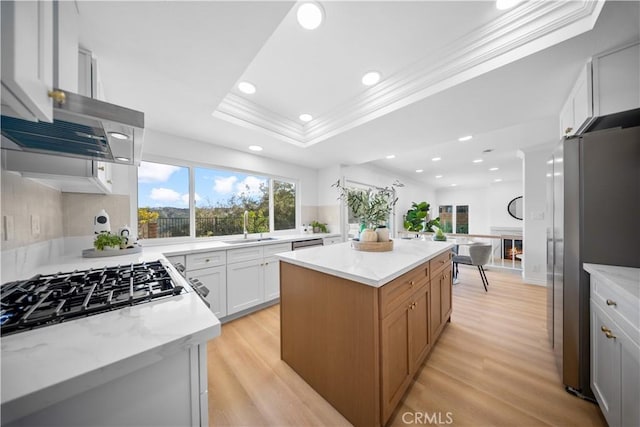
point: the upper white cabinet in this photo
(608, 84)
(65, 46)
(27, 58)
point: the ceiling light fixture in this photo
(391, 156)
(453, 185)
(493, 169)
(497, 180)
(306, 117)
(465, 138)
(119, 135)
(436, 159)
(478, 161)
(438, 176)
(123, 159)
(419, 170)
(246, 87)
(255, 148)
(310, 15)
(506, 4)
(371, 78)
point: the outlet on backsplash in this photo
(8, 227)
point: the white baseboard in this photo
(534, 281)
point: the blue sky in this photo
(166, 185)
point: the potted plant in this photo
(417, 218)
(319, 227)
(107, 241)
(439, 236)
(372, 206)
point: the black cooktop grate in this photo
(49, 299)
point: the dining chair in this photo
(479, 256)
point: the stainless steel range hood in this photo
(82, 127)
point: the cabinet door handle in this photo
(207, 260)
(605, 329)
(109, 181)
(411, 283)
(58, 96)
(100, 168)
(266, 263)
(611, 302)
(610, 335)
(568, 130)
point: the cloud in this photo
(155, 172)
(224, 185)
(165, 195)
(250, 186)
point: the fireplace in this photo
(511, 248)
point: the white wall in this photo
(499, 196)
(535, 196)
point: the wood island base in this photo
(359, 346)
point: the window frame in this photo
(190, 165)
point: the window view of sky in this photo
(165, 185)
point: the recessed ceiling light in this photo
(493, 169)
(306, 117)
(246, 87)
(465, 138)
(123, 159)
(391, 156)
(255, 148)
(436, 159)
(497, 180)
(119, 135)
(488, 150)
(438, 176)
(310, 15)
(453, 185)
(371, 78)
(506, 4)
(419, 170)
(478, 161)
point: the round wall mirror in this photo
(515, 208)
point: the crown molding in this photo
(527, 29)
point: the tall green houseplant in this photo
(417, 220)
(372, 206)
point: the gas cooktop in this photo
(46, 300)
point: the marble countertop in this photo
(370, 268)
(626, 278)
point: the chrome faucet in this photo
(246, 223)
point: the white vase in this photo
(368, 235)
(383, 234)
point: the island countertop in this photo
(369, 268)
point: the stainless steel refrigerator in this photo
(593, 204)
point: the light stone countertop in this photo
(626, 278)
(53, 363)
(370, 268)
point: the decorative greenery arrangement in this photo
(319, 227)
(373, 206)
(416, 218)
(107, 239)
(439, 235)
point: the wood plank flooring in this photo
(492, 366)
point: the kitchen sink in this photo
(238, 241)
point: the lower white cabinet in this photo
(615, 349)
(331, 240)
(271, 278)
(245, 285)
(215, 280)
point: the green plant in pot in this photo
(107, 241)
(417, 218)
(319, 227)
(372, 206)
(439, 236)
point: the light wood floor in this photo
(491, 367)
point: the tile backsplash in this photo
(80, 209)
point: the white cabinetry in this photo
(331, 240)
(608, 84)
(615, 347)
(253, 276)
(209, 268)
(27, 58)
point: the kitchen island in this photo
(358, 325)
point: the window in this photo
(222, 197)
(214, 206)
(163, 200)
(462, 219)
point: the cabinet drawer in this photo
(614, 302)
(277, 248)
(244, 254)
(206, 259)
(439, 262)
(399, 290)
(331, 240)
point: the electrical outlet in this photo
(9, 229)
(35, 225)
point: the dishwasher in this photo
(305, 244)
